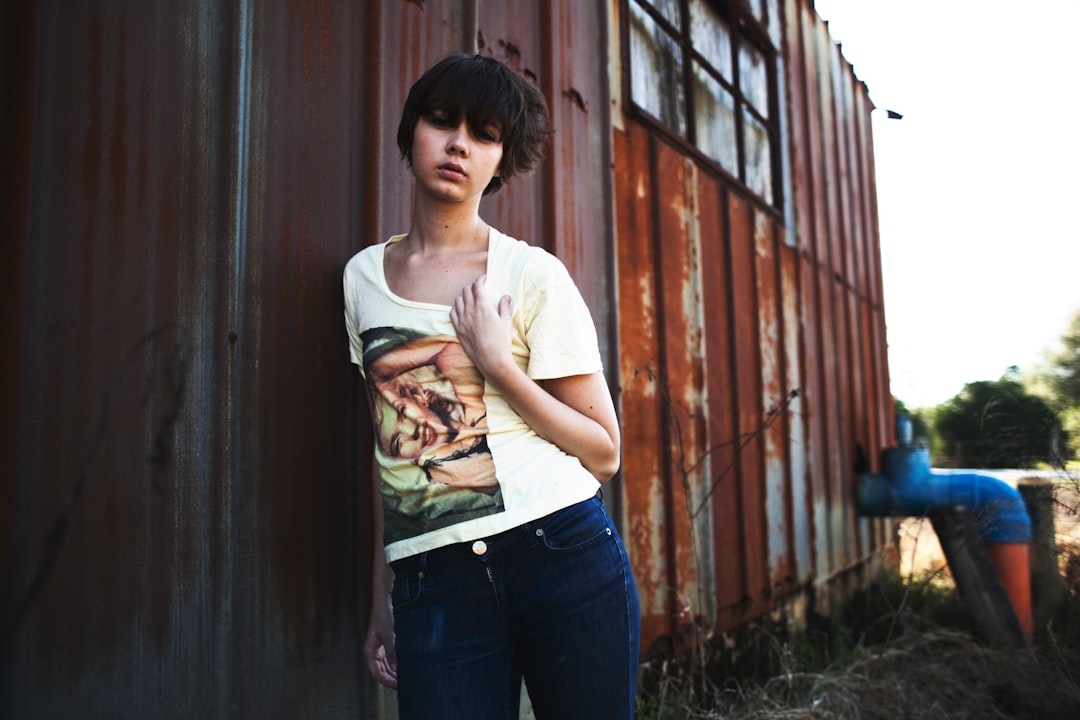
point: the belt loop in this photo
(423, 563)
(530, 534)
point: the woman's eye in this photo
(439, 120)
(488, 135)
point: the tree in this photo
(995, 425)
(1058, 382)
(1064, 372)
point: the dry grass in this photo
(926, 665)
(936, 674)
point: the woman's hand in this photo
(379, 645)
(576, 412)
(485, 332)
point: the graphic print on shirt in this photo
(431, 426)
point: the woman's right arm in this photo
(379, 644)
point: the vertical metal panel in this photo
(677, 259)
(16, 127)
(802, 527)
(648, 533)
(294, 489)
(809, 176)
(770, 334)
(578, 209)
(831, 305)
(749, 408)
(722, 435)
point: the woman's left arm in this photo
(575, 412)
(588, 395)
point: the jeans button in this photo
(479, 547)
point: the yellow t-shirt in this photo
(456, 462)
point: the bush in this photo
(995, 425)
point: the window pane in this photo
(774, 23)
(753, 78)
(656, 71)
(711, 37)
(755, 7)
(714, 120)
(669, 9)
(758, 160)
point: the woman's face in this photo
(451, 161)
(422, 410)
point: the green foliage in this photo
(1064, 372)
(1058, 382)
(995, 425)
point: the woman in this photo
(494, 430)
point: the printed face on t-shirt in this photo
(429, 408)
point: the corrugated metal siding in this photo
(189, 518)
(189, 514)
(185, 477)
(765, 350)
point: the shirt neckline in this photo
(401, 300)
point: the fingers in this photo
(470, 303)
(381, 658)
(471, 295)
(382, 666)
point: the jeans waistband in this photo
(480, 549)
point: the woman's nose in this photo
(458, 144)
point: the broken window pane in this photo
(714, 120)
(710, 36)
(656, 70)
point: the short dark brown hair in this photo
(485, 92)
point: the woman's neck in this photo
(447, 228)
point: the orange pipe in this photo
(1011, 560)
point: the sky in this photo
(978, 189)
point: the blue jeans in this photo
(552, 601)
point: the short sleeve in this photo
(351, 323)
(559, 329)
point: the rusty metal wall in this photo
(187, 510)
(187, 521)
(752, 357)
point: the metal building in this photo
(184, 516)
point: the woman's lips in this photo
(451, 171)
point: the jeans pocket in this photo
(407, 589)
(575, 527)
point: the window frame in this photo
(744, 29)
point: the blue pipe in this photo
(908, 487)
